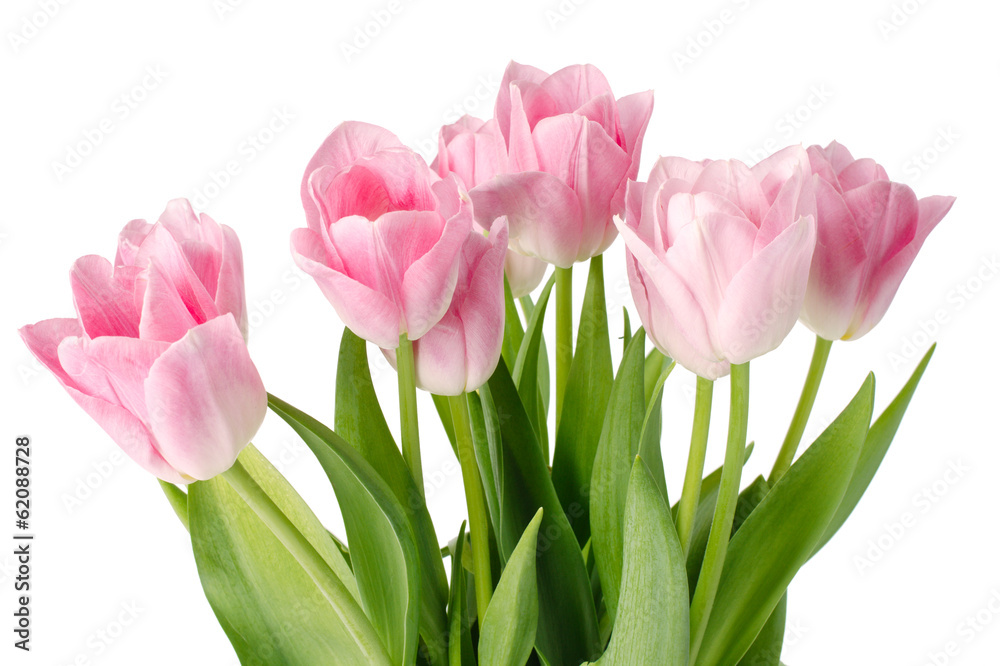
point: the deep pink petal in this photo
(349, 142)
(634, 112)
(43, 341)
(205, 399)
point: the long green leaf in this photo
(585, 403)
(567, 630)
(525, 373)
(880, 436)
(513, 332)
(459, 639)
(359, 420)
(270, 608)
(652, 624)
(511, 621)
(780, 534)
(766, 648)
(652, 431)
(383, 547)
(618, 446)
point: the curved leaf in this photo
(780, 534)
(270, 608)
(359, 420)
(585, 404)
(652, 624)
(511, 621)
(383, 548)
(525, 373)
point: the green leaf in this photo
(272, 611)
(543, 358)
(652, 624)
(178, 502)
(360, 421)
(585, 403)
(460, 651)
(880, 436)
(619, 444)
(525, 373)
(511, 621)
(513, 333)
(443, 408)
(780, 534)
(627, 325)
(383, 547)
(655, 363)
(766, 648)
(567, 630)
(652, 430)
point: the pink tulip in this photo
(474, 150)
(462, 350)
(157, 353)
(571, 149)
(869, 232)
(385, 233)
(718, 256)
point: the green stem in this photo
(408, 424)
(312, 562)
(691, 494)
(474, 497)
(564, 332)
(725, 507)
(821, 353)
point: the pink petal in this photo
(796, 198)
(634, 111)
(837, 267)
(572, 87)
(43, 341)
(544, 214)
(519, 74)
(348, 143)
(104, 297)
(524, 273)
(772, 172)
(520, 145)
(860, 172)
(230, 295)
(129, 240)
(363, 309)
(733, 180)
(162, 250)
(205, 399)
(130, 434)
(765, 297)
(886, 277)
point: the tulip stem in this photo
(691, 494)
(476, 501)
(408, 424)
(821, 353)
(725, 507)
(341, 601)
(178, 502)
(564, 333)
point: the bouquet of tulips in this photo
(575, 550)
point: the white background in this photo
(840, 69)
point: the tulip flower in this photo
(157, 352)
(384, 235)
(869, 232)
(719, 255)
(571, 148)
(474, 150)
(461, 352)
